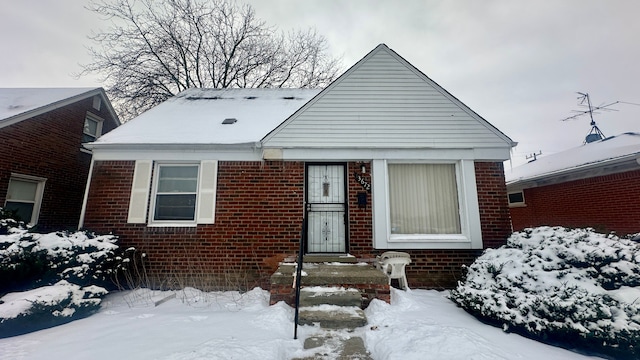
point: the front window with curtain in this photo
(423, 199)
(176, 192)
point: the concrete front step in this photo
(322, 258)
(331, 274)
(318, 295)
(371, 282)
(333, 316)
(336, 347)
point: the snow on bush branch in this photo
(572, 286)
(50, 279)
(47, 306)
(30, 259)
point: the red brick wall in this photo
(606, 203)
(360, 219)
(258, 216)
(48, 146)
(494, 206)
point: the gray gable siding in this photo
(384, 102)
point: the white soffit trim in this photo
(489, 154)
(223, 154)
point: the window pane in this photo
(178, 179)
(88, 138)
(423, 199)
(22, 190)
(91, 127)
(175, 207)
(516, 197)
(22, 210)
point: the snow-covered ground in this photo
(419, 324)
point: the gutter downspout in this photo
(86, 195)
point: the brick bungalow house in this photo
(594, 185)
(216, 182)
(43, 167)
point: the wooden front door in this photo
(326, 208)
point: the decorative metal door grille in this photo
(326, 209)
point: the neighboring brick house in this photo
(214, 183)
(594, 185)
(43, 166)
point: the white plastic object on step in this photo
(393, 263)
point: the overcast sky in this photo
(516, 63)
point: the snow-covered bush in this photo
(8, 221)
(30, 259)
(47, 306)
(572, 287)
(52, 278)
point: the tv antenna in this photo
(595, 133)
(533, 156)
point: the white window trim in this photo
(35, 214)
(98, 133)
(517, 204)
(154, 196)
(142, 187)
(471, 233)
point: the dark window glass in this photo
(22, 210)
(175, 207)
(516, 198)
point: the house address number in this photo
(363, 182)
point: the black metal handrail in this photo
(303, 233)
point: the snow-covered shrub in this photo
(30, 259)
(8, 221)
(47, 306)
(572, 287)
(52, 278)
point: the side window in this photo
(24, 197)
(180, 194)
(175, 192)
(92, 128)
(516, 199)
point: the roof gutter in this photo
(165, 146)
(601, 168)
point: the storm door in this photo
(326, 208)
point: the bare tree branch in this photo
(154, 49)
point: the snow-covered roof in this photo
(195, 116)
(613, 149)
(17, 104)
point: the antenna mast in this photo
(595, 133)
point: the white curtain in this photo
(423, 199)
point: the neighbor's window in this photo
(423, 199)
(516, 198)
(92, 128)
(24, 196)
(176, 190)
